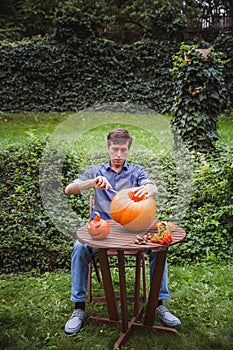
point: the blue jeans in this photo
(80, 258)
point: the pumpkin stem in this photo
(97, 218)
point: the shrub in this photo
(72, 23)
(79, 70)
(46, 75)
(29, 239)
(200, 96)
(224, 44)
(209, 220)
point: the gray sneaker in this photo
(166, 317)
(75, 322)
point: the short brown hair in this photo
(119, 135)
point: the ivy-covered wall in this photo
(43, 74)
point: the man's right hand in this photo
(102, 183)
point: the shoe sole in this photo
(74, 333)
(170, 325)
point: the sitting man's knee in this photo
(81, 249)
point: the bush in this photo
(31, 241)
(46, 75)
(200, 96)
(224, 44)
(29, 238)
(209, 219)
(78, 71)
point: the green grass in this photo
(34, 310)
(15, 128)
(225, 129)
(145, 129)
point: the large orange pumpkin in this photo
(134, 213)
(98, 228)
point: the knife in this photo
(110, 189)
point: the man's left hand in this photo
(148, 190)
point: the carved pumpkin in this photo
(98, 228)
(134, 213)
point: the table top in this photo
(122, 239)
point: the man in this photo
(116, 174)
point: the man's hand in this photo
(148, 190)
(102, 183)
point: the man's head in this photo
(119, 136)
(119, 142)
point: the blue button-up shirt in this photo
(131, 175)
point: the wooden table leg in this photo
(154, 295)
(155, 287)
(137, 284)
(128, 325)
(108, 286)
(123, 293)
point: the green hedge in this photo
(209, 219)
(201, 188)
(29, 238)
(43, 74)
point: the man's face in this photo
(118, 153)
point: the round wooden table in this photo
(121, 241)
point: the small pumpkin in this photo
(160, 225)
(98, 228)
(164, 225)
(134, 213)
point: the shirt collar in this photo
(125, 165)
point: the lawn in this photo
(34, 308)
(225, 129)
(15, 128)
(18, 127)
